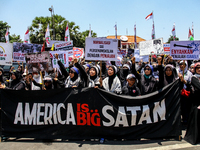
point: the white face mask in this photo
(36, 75)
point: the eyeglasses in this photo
(147, 69)
(197, 68)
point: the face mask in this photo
(36, 75)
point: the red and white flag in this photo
(7, 36)
(153, 32)
(135, 40)
(192, 30)
(26, 37)
(174, 32)
(150, 16)
(47, 36)
(90, 35)
(115, 31)
(67, 37)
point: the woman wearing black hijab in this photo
(112, 82)
(16, 83)
(193, 129)
(2, 78)
(93, 77)
(167, 74)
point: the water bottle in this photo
(101, 140)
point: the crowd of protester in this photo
(134, 79)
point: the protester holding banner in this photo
(147, 82)
(193, 129)
(35, 80)
(2, 78)
(93, 77)
(16, 83)
(123, 73)
(72, 78)
(112, 82)
(185, 103)
(130, 88)
(167, 74)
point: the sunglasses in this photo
(71, 71)
(147, 69)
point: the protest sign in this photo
(20, 49)
(63, 57)
(101, 49)
(86, 113)
(38, 62)
(137, 56)
(78, 52)
(166, 48)
(121, 52)
(6, 50)
(130, 52)
(151, 46)
(185, 50)
(65, 46)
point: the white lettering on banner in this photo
(47, 113)
(70, 114)
(133, 114)
(108, 116)
(48, 117)
(145, 115)
(159, 110)
(121, 118)
(30, 118)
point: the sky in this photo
(104, 14)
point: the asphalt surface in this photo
(94, 144)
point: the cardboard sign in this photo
(38, 62)
(65, 46)
(101, 49)
(137, 56)
(166, 48)
(6, 50)
(185, 50)
(152, 46)
(20, 49)
(78, 52)
(63, 57)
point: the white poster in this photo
(63, 57)
(151, 46)
(65, 46)
(101, 49)
(185, 50)
(6, 50)
(21, 49)
(137, 56)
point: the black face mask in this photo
(125, 71)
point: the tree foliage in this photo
(12, 38)
(3, 28)
(172, 39)
(39, 25)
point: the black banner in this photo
(91, 113)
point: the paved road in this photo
(143, 144)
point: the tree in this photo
(39, 25)
(3, 28)
(15, 38)
(172, 39)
